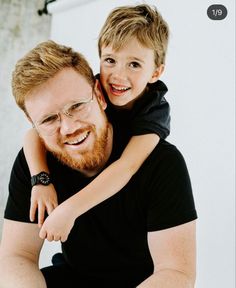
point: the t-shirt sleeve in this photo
(151, 113)
(18, 203)
(171, 201)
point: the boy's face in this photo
(126, 72)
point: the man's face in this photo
(81, 141)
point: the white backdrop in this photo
(200, 74)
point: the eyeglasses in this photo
(76, 110)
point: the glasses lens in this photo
(77, 111)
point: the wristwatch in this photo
(42, 178)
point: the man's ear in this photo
(157, 73)
(99, 95)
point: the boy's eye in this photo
(135, 65)
(109, 60)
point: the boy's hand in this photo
(43, 199)
(58, 224)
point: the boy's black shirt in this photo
(109, 242)
(150, 113)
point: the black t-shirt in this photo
(110, 240)
(150, 113)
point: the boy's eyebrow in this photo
(107, 55)
(130, 58)
(136, 59)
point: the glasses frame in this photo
(64, 111)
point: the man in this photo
(143, 236)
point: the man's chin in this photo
(90, 160)
(87, 161)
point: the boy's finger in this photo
(49, 237)
(42, 234)
(33, 208)
(57, 238)
(64, 238)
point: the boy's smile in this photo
(126, 72)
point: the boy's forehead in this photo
(132, 49)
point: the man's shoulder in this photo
(166, 155)
(20, 162)
(166, 149)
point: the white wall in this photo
(200, 74)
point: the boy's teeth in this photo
(120, 88)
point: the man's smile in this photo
(78, 140)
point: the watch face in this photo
(44, 178)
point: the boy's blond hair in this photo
(143, 22)
(42, 63)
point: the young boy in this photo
(132, 49)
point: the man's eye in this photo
(49, 119)
(135, 65)
(76, 106)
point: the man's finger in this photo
(50, 208)
(41, 212)
(33, 208)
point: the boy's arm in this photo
(35, 152)
(42, 197)
(106, 184)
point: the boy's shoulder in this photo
(153, 94)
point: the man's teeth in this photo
(78, 140)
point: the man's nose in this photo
(69, 125)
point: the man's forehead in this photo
(65, 87)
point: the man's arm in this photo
(173, 252)
(19, 255)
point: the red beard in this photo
(89, 160)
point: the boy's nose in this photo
(119, 73)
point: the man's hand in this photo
(43, 199)
(58, 224)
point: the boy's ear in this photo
(99, 94)
(157, 73)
